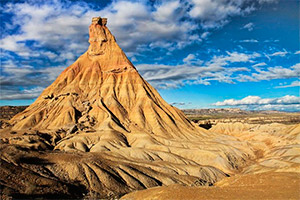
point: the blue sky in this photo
(197, 54)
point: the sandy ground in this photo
(253, 186)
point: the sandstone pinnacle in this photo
(102, 90)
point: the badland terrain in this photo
(101, 131)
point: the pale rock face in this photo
(97, 37)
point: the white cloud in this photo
(258, 67)
(280, 107)
(137, 25)
(214, 14)
(164, 76)
(266, 41)
(233, 57)
(293, 84)
(24, 81)
(259, 64)
(205, 35)
(277, 72)
(287, 102)
(219, 68)
(280, 53)
(297, 52)
(62, 25)
(178, 103)
(50, 25)
(248, 26)
(267, 1)
(249, 41)
(189, 58)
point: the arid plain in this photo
(101, 131)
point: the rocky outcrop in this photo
(104, 89)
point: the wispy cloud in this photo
(192, 60)
(189, 58)
(164, 76)
(271, 73)
(249, 41)
(180, 103)
(248, 26)
(293, 84)
(279, 53)
(259, 64)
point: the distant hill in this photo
(7, 112)
(211, 111)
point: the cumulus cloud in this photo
(287, 102)
(138, 25)
(256, 100)
(293, 84)
(54, 26)
(62, 25)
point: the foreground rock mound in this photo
(102, 128)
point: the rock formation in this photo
(102, 90)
